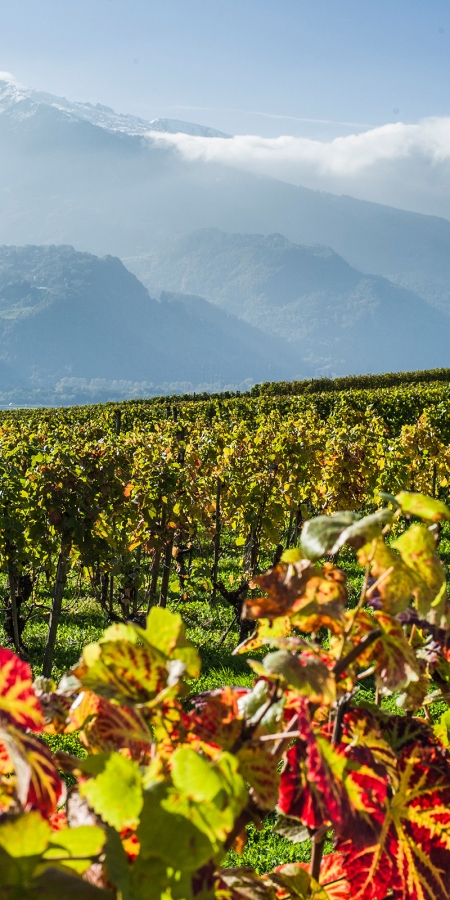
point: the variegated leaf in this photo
(216, 718)
(411, 860)
(338, 786)
(292, 880)
(395, 661)
(299, 588)
(39, 785)
(333, 878)
(18, 702)
(361, 729)
(395, 580)
(260, 769)
(114, 727)
(123, 671)
(417, 548)
(427, 508)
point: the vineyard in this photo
(155, 501)
(134, 517)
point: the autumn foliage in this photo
(169, 780)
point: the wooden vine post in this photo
(215, 570)
(55, 614)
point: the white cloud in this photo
(399, 164)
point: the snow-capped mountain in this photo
(20, 102)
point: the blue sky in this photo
(244, 66)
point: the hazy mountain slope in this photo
(335, 315)
(65, 314)
(79, 174)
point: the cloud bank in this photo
(398, 164)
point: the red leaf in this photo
(58, 820)
(362, 730)
(114, 727)
(18, 702)
(340, 786)
(38, 783)
(412, 858)
(216, 719)
(333, 877)
(130, 843)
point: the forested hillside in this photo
(341, 320)
(87, 326)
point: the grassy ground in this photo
(83, 621)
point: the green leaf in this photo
(292, 555)
(388, 498)
(154, 879)
(163, 629)
(117, 865)
(320, 534)
(363, 530)
(215, 816)
(94, 763)
(55, 884)
(76, 847)
(119, 631)
(293, 879)
(166, 632)
(247, 884)
(442, 729)
(25, 835)
(427, 508)
(167, 835)
(417, 548)
(252, 702)
(116, 793)
(23, 840)
(194, 775)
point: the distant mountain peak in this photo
(21, 102)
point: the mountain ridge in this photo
(68, 180)
(22, 102)
(74, 318)
(309, 296)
